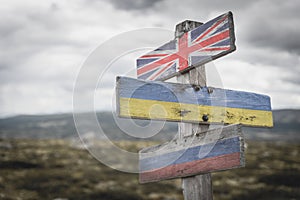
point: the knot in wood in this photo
(182, 113)
(210, 90)
(196, 87)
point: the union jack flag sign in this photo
(194, 48)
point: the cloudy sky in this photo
(45, 44)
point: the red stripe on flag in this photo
(216, 49)
(210, 41)
(160, 71)
(192, 168)
(156, 64)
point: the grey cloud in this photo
(30, 41)
(293, 79)
(269, 58)
(7, 29)
(54, 7)
(30, 32)
(222, 5)
(134, 4)
(36, 27)
(279, 36)
(41, 45)
(275, 26)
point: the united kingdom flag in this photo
(194, 48)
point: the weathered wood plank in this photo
(197, 187)
(190, 49)
(191, 103)
(220, 149)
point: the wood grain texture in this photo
(197, 187)
(214, 150)
(190, 103)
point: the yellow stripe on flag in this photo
(171, 111)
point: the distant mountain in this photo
(286, 127)
(62, 126)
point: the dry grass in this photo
(50, 169)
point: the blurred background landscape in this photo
(46, 45)
(43, 158)
(61, 126)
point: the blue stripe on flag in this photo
(168, 46)
(141, 62)
(223, 147)
(168, 92)
(145, 76)
(222, 43)
(222, 28)
(198, 59)
(170, 70)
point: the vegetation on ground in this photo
(54, 169)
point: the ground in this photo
(54, 169)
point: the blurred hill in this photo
(61, 126)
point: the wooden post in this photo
(197, 187)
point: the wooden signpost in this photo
(197, 150)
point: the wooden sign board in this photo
(194, 48)
(186, 103)
(220, 149)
